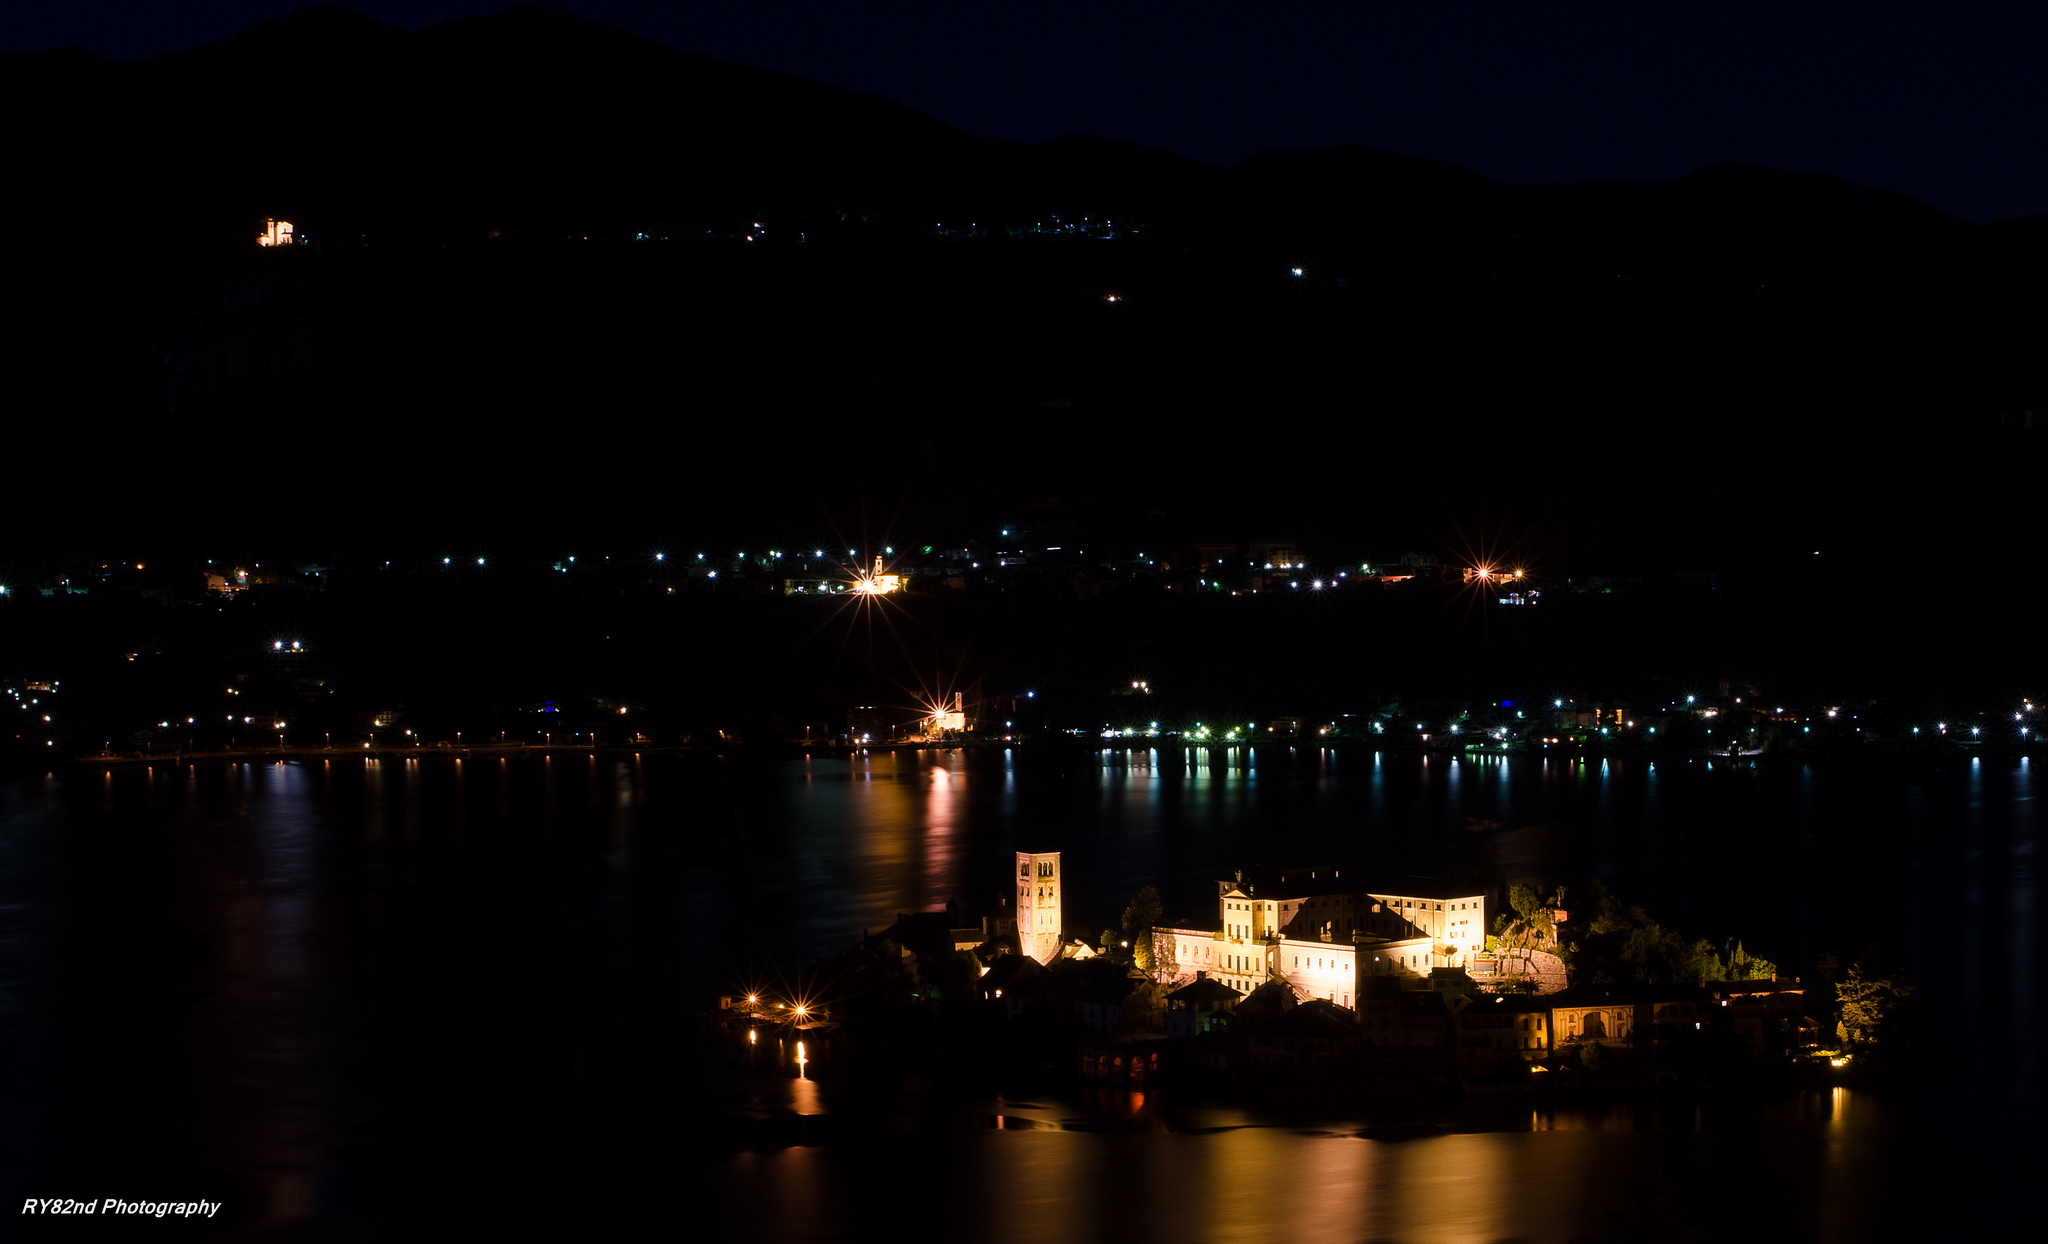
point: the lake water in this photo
(421, 996)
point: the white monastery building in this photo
(1320, 933)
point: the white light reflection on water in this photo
(944, 814)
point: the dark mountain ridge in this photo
(526, 119)
(1753, 358)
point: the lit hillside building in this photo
(275, 233)
(1320, 934)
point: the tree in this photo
(955, 975)
(1869, 997)
(1139, 918)
(1164, 965)
(1533, 926)
(1743, 966)
(1538, 914)
(1623, 944)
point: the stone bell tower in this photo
(1039, 924)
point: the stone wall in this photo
(1500, 968)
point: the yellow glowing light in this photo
(275, 233)
(876, 582)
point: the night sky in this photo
(1943, 102)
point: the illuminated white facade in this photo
(275, 233)
(1039, 922)
(1319, 938)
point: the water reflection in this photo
(282, 968)
(1128, 1173)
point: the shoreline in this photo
(1063, 746)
